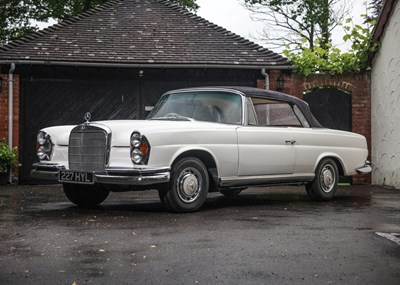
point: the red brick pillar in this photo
(4, 102)
(361, 111)
(261, 83)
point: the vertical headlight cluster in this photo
(45, 146)
(140, 148)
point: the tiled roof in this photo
(141, 33)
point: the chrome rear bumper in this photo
(365, 169)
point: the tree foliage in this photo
(298, 24)
(187, 4)
(17, 16)
(12, 25)
(375, 6)
(332, 60)
(304, 28)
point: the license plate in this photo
(67, 176)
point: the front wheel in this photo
(85, 196)
(188, 188)
(323, 187)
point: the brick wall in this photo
(4, 111)
(358, 85)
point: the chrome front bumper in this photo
(117, 176)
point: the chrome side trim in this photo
(266, 180)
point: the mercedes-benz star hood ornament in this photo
(87, 117)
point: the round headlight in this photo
(44, 146)
(136, 143)
(136, 140)
(41, 138)
(139, 148)
(41, 153)
(137, 156)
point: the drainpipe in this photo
(266, 75)
(10, 109)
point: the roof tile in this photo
(139, 32)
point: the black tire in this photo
(324, 185)
(231, 192)
(85, 196)
(162, 192)
(188, 188)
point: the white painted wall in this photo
(385, 86)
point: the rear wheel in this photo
(323, 187)
(188, 188)
(85, 196)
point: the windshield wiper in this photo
(173, 117)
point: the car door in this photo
(265, 150)
(266, 141)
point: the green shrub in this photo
(8, 157)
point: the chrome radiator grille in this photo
(88, 148)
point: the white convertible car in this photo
(201, 140)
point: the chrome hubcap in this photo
(189, 185)
(327, 178)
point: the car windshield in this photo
(208, 106)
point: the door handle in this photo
(291, 141)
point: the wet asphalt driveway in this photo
(273, 235)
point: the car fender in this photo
(186, 150)
(335, 156)
(59, 135)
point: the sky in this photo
(233, 16)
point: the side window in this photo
(251, 114)
(275, 113)
(301, 117)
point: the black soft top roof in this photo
(262, 93)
